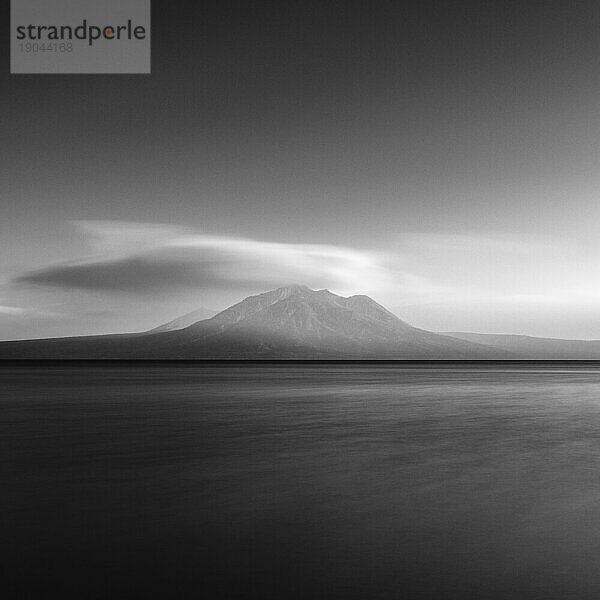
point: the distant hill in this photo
(293, 322)
(524, 346)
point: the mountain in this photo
(297, 322)
(524, 346)
(287, 323)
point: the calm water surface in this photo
(371, 481)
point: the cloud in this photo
(167, 258)
(13, 310)
(122, 237)
(9, 310)
(146, 259)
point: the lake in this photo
(344, 481)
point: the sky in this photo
(441, 157)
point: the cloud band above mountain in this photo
(140, 258)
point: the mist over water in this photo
(299, 481)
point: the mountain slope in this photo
(185, 320)
(291, 322)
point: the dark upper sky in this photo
(454, 147)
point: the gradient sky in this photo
(441, 157)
